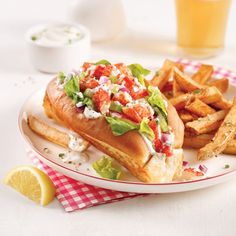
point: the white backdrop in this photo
(149, 39)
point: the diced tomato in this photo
(101, 100)
(102, 70)
(140, 94)
(132, 114)
(120, 97)
(88, 83)
(122, 68)
(157, 141)
(142, 111)
(129, 83)
(167, 150)
(86, 65)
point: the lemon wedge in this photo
(32, 183)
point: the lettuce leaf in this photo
(115, 107)
(146, 130)
(61, 76)
(138, 71)
(162, 120)
(103, 62)
(71, 88)
(155, 100)
(105, 169)
(120, 126)
(88, 102)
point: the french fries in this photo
(176, 89)
(200, 141)
(185, 82)
(222, 137)
(186, 116)
(164, 74)
(206, 124)
(52, 134)
(199, 108)
(182, 100)
(207, 95)
(202, 107)
(203, 74)
(221, 84)
(222, 104)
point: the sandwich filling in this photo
(120, 94)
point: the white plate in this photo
(216, 172)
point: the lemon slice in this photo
(31, 182)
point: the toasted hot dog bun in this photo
(129, 149)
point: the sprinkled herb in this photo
(226, 166)
(46, 150)
(34, 38)
(88, 169)
(69, 41)
(61, 155)
(157, 73)
(197, 91)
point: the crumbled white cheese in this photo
(80, 95)
(79, 104)
(91, 114)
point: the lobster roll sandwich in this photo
(115, 109)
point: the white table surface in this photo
(149, 38)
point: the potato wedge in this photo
(207, 95)
(222, 137)
(221, 84)
(203, 74)
(176, 89)
(200, 141)
(185, 82)
(164, 74)
(223, 104)
(186, 116)
(52, 134)
(182, 100)
(206, 124)
(199, 108)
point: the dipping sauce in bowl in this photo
(57, 35)
(58, 47)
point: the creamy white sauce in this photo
(115, 71)
(149, 145)
(76, 143)
(91, 114)
(74, 157)
(151, 149)
(57, 35)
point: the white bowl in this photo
(55, 58)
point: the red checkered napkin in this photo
(219, 72)
(74, 195)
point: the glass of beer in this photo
(201, 26)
